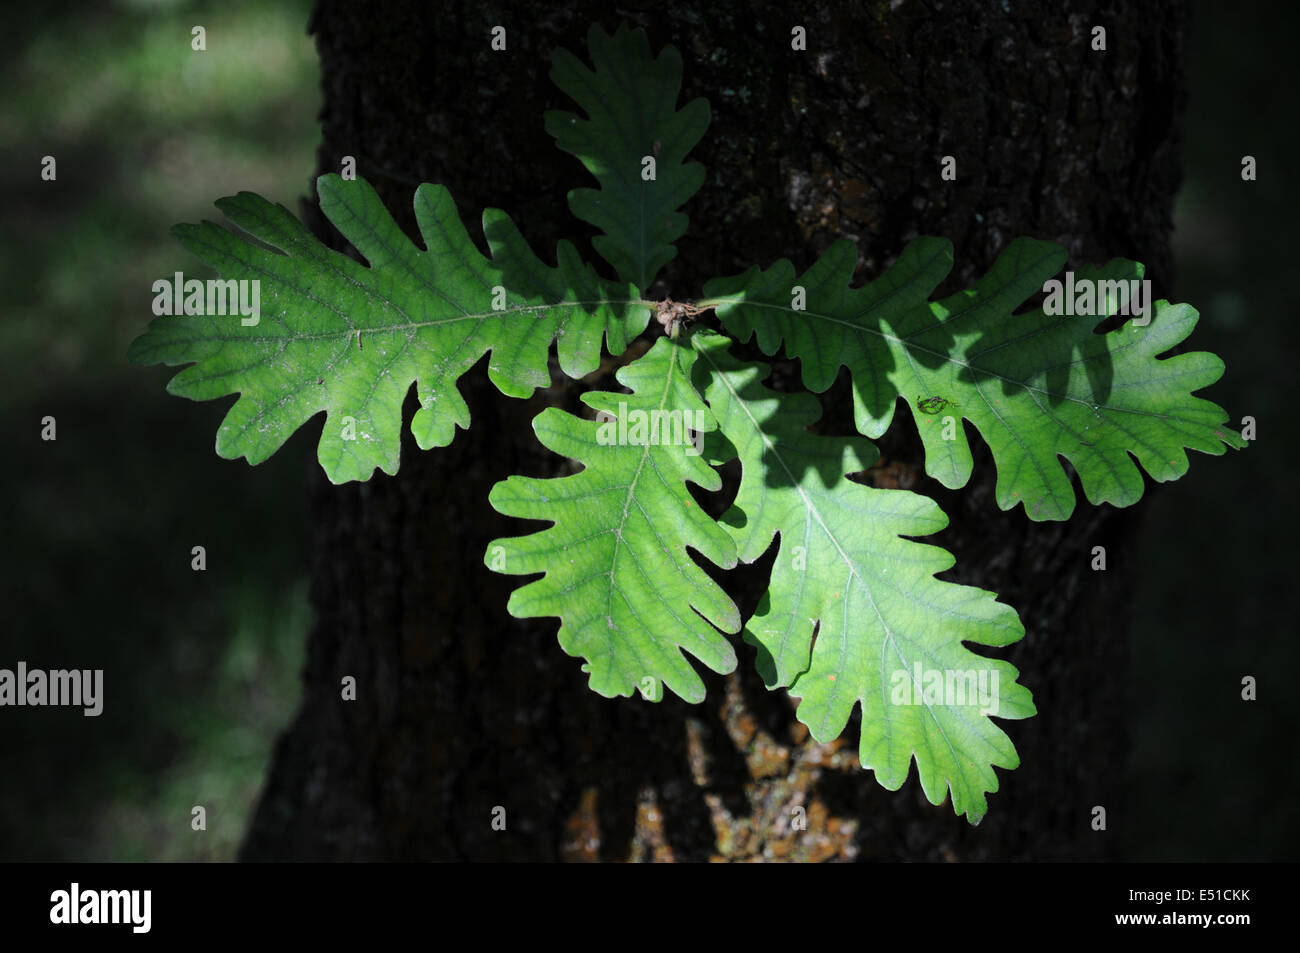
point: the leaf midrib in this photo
(947, 357)
(810, 507)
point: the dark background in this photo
(201, 668)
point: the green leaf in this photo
(630, 100)
(617, 572)
(1037, 388)
(844, 572)
(340, 337)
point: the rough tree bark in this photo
(462, 708)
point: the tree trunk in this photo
(462, 708)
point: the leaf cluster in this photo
(854, 615)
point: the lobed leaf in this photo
(339, 337)
(630, 100)
(853, 614)
(1038, 389)
(617, 572)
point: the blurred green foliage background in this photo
(202, 669)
